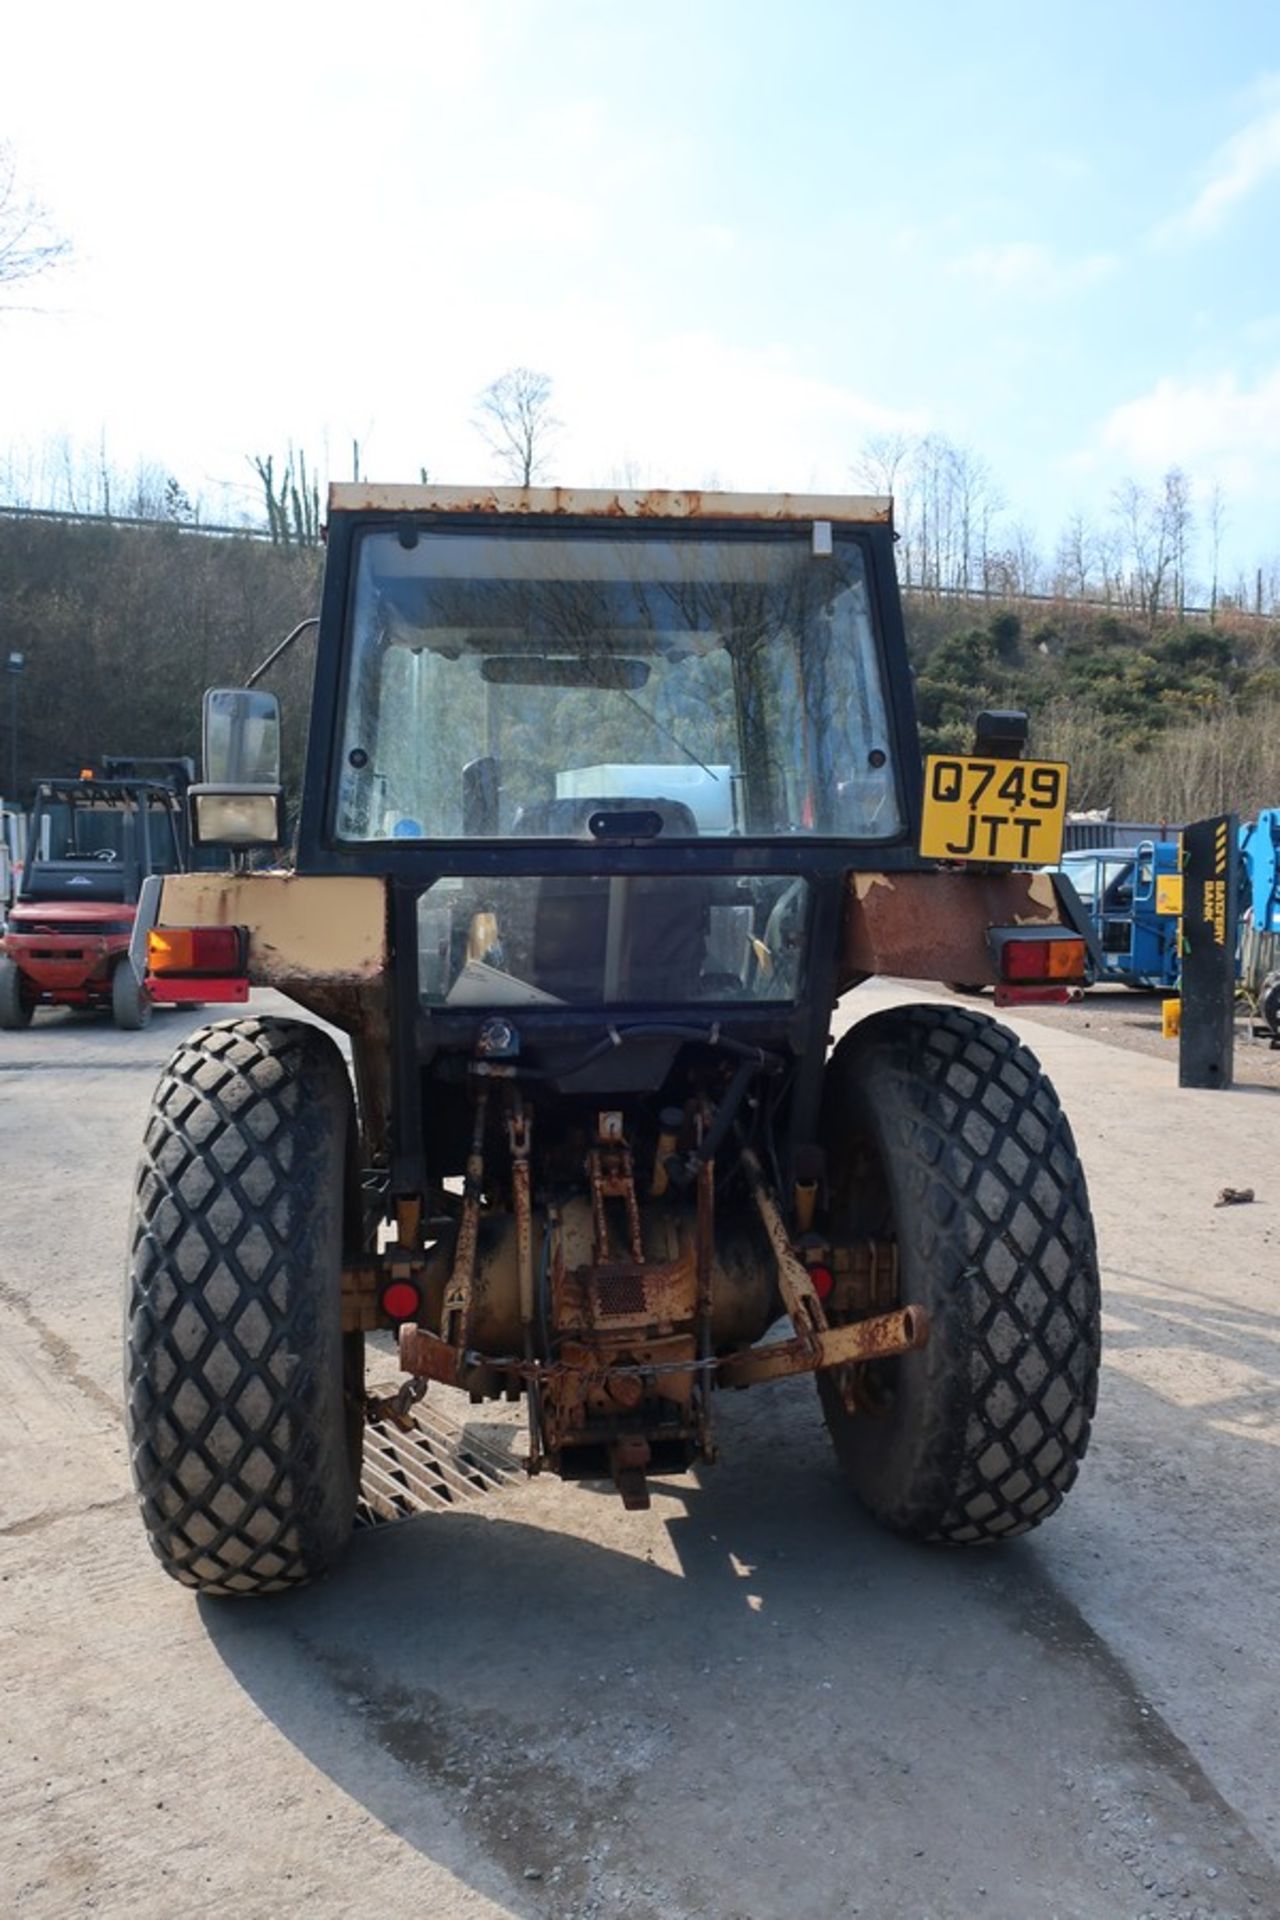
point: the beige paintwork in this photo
(329, 929)
(655, 504)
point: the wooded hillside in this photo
(122, 628)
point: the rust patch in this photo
(799, 1295)
(456, 1315)
(876, 1339)
(656, 503)
(865, 1278)
(427, 1355)
(933, 925)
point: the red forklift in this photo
(91, 842)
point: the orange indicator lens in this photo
(1041, 960)
(193, 950)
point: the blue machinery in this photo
(1126, 893)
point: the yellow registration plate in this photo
(1007, 811)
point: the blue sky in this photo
(742, 239)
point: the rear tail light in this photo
(823, 1280)
(205, 950)
(400, 1300)
(1053, 961)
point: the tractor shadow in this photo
(747, 1703)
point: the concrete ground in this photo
(1120, 1017)
(745, 1704)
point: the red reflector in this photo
(823, 1280)
(401, 1299)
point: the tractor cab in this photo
(589, 741)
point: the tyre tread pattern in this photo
(236, 1452)
(16, 1006)
(999, 1214)
(131, 1004)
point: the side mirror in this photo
(240, 803)
(241, 738)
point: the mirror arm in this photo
(312, 620)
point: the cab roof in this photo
(362, 496)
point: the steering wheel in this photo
(106, 853)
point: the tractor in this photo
(609, 799)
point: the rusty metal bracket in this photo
(705, 1252)
(455, 1317)
(799, 1295)
(397, 1406)
(409, 1222)
(519, 1130)
(628, 1460)
(423, 1352)
(876, 1339)
(866, 1278)
(612, 1177)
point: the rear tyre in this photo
(130, 1002)
(943, 1132)
(245, 1399)
(1269, 1004)
(16, 1004)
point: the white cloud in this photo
(1213, 427)
(423, 210)
(1243, 164)
(687, 407)
(1025, 266)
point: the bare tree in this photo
(977, 502)
(1217, 527)
(28, 244)
(1108, 544)
(1073, 578)
(1016, 569)
(947, 503)
(1176, 512)
(1150, 532)
(515, 420)
(881, 460)
(292, 502)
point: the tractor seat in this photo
(662, 934)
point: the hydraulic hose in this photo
(758, 1057)
(717, 1133)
